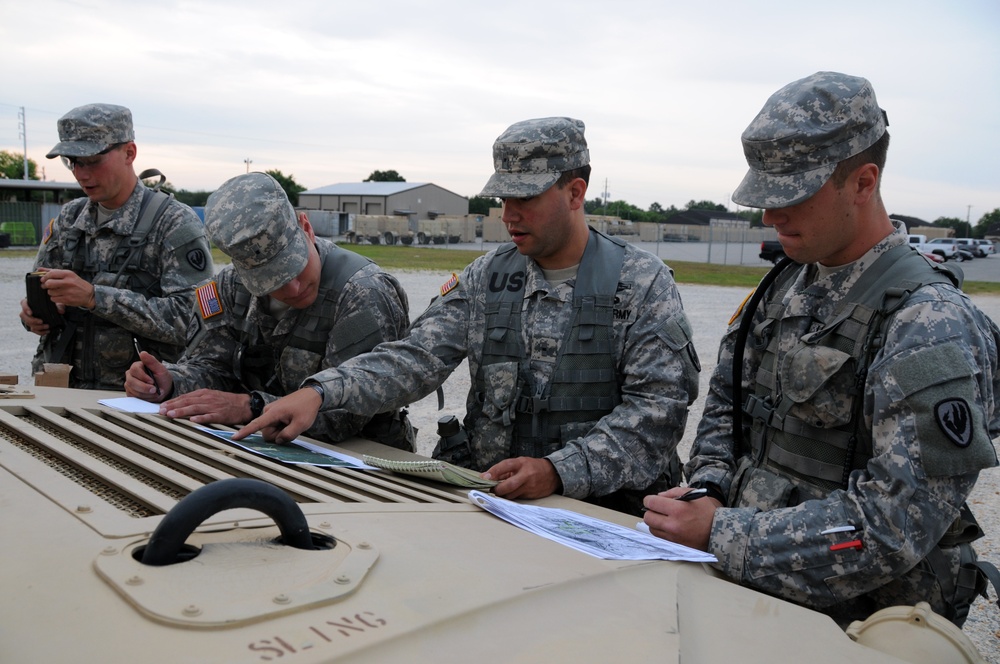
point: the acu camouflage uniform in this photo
(657, 376)
(371, 301)
(153, 304)
(909, 415)
(937, 346)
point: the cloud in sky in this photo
(330, 92)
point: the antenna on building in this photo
(23, 128)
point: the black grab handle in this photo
(168, 538)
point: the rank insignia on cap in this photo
(449, 285)
(208, 300)
(954, 418)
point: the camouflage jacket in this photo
(208, 361)
(176, 255)
(628, 448)
(937, 346)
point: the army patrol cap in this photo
(530, 156)
(92, 129)
(804, 130)
(250, 219)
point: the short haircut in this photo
(568, 176)
(875, 154)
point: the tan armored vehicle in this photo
(344, 565)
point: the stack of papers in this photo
(601, 539)
(433, 469)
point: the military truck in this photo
(119, 547)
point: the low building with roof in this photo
(416, 201)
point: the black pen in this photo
(693, 494)
(149, 371)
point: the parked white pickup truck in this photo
(943, 247)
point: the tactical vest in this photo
(584, 385)
(255, 362)
(128, 268)
(819, 458)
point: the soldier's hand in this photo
(204, 406)
(524, 477)
(139, 383)
(684, 522)
(283, 420)
(32, 324)
(68, 288)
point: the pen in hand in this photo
(693, 494)
(149, 372)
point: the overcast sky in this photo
(330, 91)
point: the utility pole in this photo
(248, 161)
(605, 197)
(23, 127)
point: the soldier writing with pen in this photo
(854, 401)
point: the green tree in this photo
(384, 176)
(961, 228)
(288, 183)
(988, 224)
(704, 205)
(482, 204)
(192, 198)
(12, 166)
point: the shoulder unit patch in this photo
(954, 418)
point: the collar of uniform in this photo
(122, 220)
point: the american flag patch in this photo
(47, 231)
(208, 300)
(449, 285)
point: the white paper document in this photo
(601, 539)
(131, 405)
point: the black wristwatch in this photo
(257, 404)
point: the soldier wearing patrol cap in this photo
(289, 305)
(854, 401)
(121, 263)
(579, 351)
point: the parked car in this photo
(934, 258)
(988, 247)
(771, 250)
(945, 247)
(971, 245)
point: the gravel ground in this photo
(708, 308)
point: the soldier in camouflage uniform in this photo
(122, 262)
(288, 306)
(579, 350)
(839, 454)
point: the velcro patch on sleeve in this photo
(208, 300)
(939, 385)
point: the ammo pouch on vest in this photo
(760, 488)
(974, 576)
(392, 429)
(453, 443)
(254, 366)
